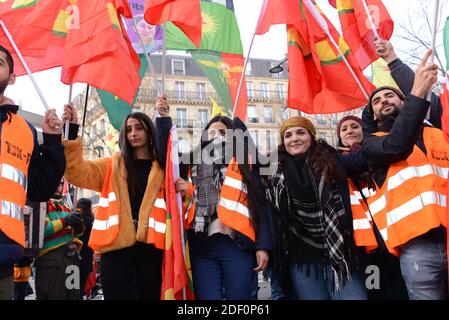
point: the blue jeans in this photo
(314, 287)
(221, 269)
(424, 269)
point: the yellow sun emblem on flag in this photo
(225, 68)
(209, 24)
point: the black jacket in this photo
(47, 166)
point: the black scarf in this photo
(7, 110)
(312, 213)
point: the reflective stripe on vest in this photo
(233, 209)
(106, 224)
(156, 226)
(362, 223)
(17, 143)
(412, 199)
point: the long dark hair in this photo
(127, 151)
(245, 169)
(320, 159)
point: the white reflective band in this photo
(361, 224)
(413, 172)
(354, 200)
(378, 205)
(235, 206)
(103, 225)
(358, 195)
(11, 173)
(234, 183)
(414, 205)
(384, 234)
(11, 209)
(160, 203)
(156, 225)
(103, 202)
(368, 192)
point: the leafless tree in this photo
(416, 33)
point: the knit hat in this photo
(298, 122)
(344, 119)
(395, 90)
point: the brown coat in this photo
(90, 174)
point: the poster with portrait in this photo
(151, 35)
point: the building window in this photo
(271, 141)
(334, 119)
(281, 90)
(248, 71)
(181, 118)
(284, 113)
(255, 136)
(137, 108)
(93, 134)
(202, 117)
(200, 91)
(320, 120)
(252, 114)
(180, 93)
(268, 113)
(264, 90)
(249, 88)
(178, 67)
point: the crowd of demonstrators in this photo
(126, 230)
(228, 236)
(315, 224)
(28, 170)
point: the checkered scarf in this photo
(312, 219)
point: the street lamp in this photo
(279, 68)
(99, 150)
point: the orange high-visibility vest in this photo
(233, 208)
(412, 199)
(361, 218)
(17, 143)
(106, 225)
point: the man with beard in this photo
(27, 170)
(59, 252)
(408, 161)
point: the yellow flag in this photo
(216, 109)
(381, 74)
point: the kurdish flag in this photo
(220, 54)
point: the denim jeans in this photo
(221, 269)
(313, 286)
(424, 269)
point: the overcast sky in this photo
(272, 45)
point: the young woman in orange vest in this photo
(229, 235)
(311, 196)
(391, 286)
(129, 226)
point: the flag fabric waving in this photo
(185, 14)
(176, 270)
(357, 29)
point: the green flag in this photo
(446, 42)
(116, 108)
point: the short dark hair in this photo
(9, 59)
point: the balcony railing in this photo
(267, 95)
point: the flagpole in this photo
(86, 100)
(243, 75)
(164, 46)
(147, 56)
(370, 18)
(25, 65)
(319, 19)
(433, 44)
(67, 122)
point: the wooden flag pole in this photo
(323, 24)
(25, 65)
